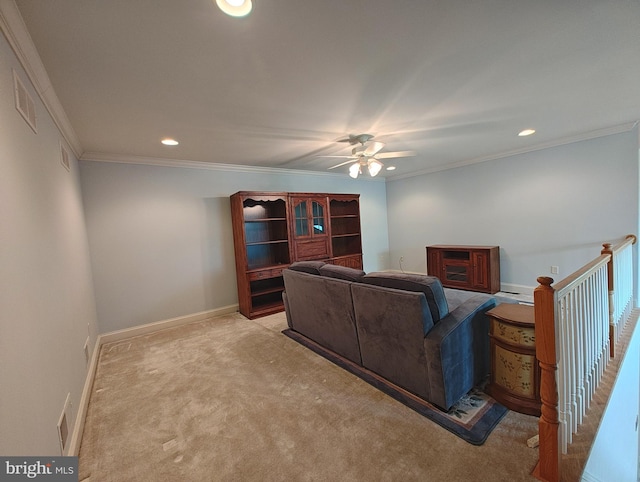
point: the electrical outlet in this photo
(554, 270)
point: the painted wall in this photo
(614, 452)
(161, 240)
(47, 306)
(552, 207)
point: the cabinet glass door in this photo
(309, 219)
(301, 220)
(456, 273)
(318, 217)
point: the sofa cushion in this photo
(311, 267)
(342, 272)
(321, 309)
(392, 325)
(429, 285)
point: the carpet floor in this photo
(232, 399)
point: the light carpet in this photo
(471, 418)
(233, 399)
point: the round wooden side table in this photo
(515, 373)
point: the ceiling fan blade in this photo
(342, 157)
(392, 155)
(351, 139)
(372, 148)
(342, 164)
(356, 139)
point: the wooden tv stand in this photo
(475, 268)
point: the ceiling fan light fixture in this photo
(354, 170)
(374, 167)
(235, 8)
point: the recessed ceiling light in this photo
(235, 8)
(169, 142)
(526, 132)
(391, 168)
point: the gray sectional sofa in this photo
(405, 329)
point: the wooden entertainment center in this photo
(475, 268)
(274, 229)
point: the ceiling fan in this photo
(367, 155)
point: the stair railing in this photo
(577, 322)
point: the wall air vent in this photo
(64, 157)
(24, 102)
(63, 424)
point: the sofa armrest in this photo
(457, 351)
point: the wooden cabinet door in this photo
(309, 227)
(434, 262)
(480, 270)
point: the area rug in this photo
(472, 418)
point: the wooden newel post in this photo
(606, 249)
(548, 468)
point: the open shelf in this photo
(264, 255)
(346, 245)
(345, 225)
(346, 242)
(266, 294)
(267, 286)
(264, 308)
(264, 209)
(258, 231)
(459, 255)
(344, 207)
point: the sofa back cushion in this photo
(321, 309)
(342, 272)
(311, 267)
(391, 330)
(429, 285)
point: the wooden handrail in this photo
(629, 239)
(578, 276)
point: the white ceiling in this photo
(453, 80)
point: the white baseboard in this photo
(78, 427)
(162, 325)
(587, 477)
(519, 289)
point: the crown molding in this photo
(607, 131)
(16, 33)
(211, 166)
(18, 37)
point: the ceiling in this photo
(454, 81)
